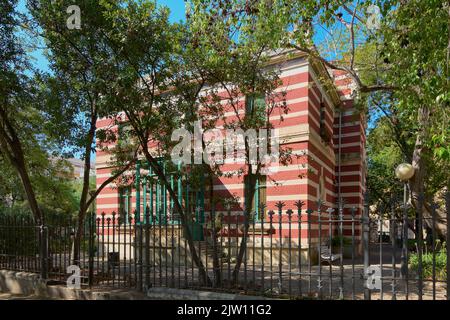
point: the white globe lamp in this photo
(404, 171)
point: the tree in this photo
(407, 60)
(412, 52)
(415, 48)
(75, 95)
(238, 64)
(51, 180)
(383, 155)
(162, 87)
(114, 65)
(147, 50)
(18, 118)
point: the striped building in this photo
(325, 133)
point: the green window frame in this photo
(255, 105)
(156, 198)
(260, 195)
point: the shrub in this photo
(427, 264)
(336, 241)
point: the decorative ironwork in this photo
(295, 254)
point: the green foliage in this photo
(336, 241)
(127, 52)
(427, 264)
(383, 155)
(410, 52)
(55, 191)
(414, 52)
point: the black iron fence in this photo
(326, 253)
(48, 249)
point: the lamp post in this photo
(404, 172)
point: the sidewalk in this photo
(8, 296)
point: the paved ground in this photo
(327, 281)
(8, 296)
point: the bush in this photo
(427, 264)
(19, 234)
(336, 241)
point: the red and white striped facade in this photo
(319, 169)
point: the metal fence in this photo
(47, 249)
(326, 253)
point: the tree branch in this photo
(109, 180)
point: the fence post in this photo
(44, 251)
(280, 206)
(366, 231)
(404, 255)
(138, 249)
(341, 204)
(147, 247)
(420, 246)
(91, 224)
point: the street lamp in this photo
(404, 172)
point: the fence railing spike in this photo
(299, 204)
(280, 205)
(142, 255)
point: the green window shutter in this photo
(156, 197)
(260, 103)
(248, 105)
(255, 103)
(259, 197)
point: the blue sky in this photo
(176, 8)
(177, 13)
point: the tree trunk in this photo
(183, 215)
(85, 190)
(216, 261)
(12, 147)
(416, 184)
(79, 234)
(31, 196)
(248, 209)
